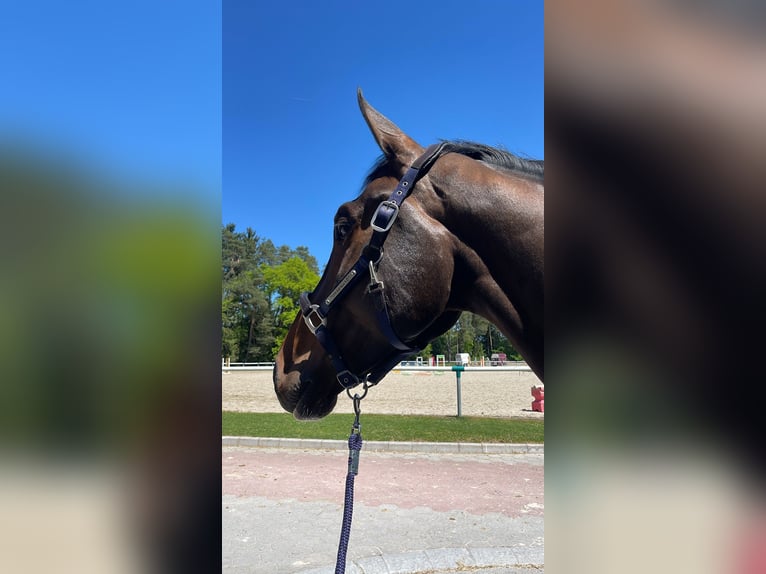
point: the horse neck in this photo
(497, 226)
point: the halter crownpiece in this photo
(315, 314)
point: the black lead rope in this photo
(354, 448)
(315, 317)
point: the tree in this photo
(267, 253)
(239, 250)
(303, 252)
(261, 284)
(474, 335)
(283, 286)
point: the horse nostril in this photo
(288, 400)
(290, 389)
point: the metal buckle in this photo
(388, 203)
(348, 380)
(314, 311)
(375, 283)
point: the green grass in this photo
(387, 427)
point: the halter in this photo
(315, 314)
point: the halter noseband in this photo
(315, 314)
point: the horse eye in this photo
(342, 229)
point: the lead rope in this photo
(354, 448)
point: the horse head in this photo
(397, 276)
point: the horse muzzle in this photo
(306, 396)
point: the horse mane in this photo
(498, 157)
(493, 156)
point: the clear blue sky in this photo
(131, 90)
(294, 143)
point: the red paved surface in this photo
(478, 485)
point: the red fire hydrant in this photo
(538, 392)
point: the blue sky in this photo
(129, 90)
(294, 143)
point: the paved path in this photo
(424, 512)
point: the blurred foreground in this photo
(109, 288)
(110, 395)
(655, 139)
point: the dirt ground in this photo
(484, 393)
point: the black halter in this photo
(315, 314)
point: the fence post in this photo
(458, 370)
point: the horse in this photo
(469, 237)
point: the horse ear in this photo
(394, 143)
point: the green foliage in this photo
(284, 284)
(260, 291)
(106, 310)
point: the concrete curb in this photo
(444, 560)
(386, 446)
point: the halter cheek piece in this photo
(315, 314)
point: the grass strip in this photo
(410, 428)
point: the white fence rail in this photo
(457, 369)
(509, 366)
(247, 366)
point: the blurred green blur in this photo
(110, 393)
(101, 294)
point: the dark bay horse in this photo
(469, 237)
